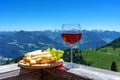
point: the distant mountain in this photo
(23, 42)
(114, 44)
(90, 39)
(7, 32)
(97, 38)
(18, 43)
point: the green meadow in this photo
(100, 58)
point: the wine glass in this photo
(71, 34)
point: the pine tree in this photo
(8, 61)
(114, 66)
(16, 60)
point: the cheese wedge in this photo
(36, 53)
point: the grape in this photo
(56, 53)
(47, 50)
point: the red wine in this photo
(71, 38)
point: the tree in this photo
(16, 60)
(8, 61)
(114, 66)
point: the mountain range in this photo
(17, 43)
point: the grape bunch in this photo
(56, 53)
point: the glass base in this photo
(71, 65)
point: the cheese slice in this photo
(36, 53)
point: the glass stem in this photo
(71, 54)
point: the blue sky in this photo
(32, 15)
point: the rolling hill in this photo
(105, 56)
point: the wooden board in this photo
(39, 66)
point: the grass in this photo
(102, 58)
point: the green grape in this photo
(53, 52)
(56, 53)
(47, 50)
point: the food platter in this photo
(42, 59)
(39, 66)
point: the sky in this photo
(36, 15)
